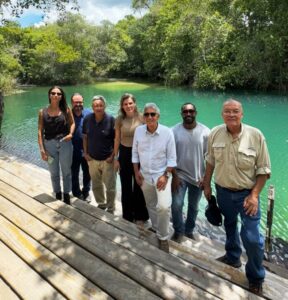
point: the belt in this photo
(231, 189)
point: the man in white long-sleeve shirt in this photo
(154, 157)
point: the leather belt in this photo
(231, 189)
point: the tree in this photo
(19, 6)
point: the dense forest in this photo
(213, 44)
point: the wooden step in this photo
(150, 276)
(64, 278)
(24, 280)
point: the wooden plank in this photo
(185, 253)
(69, 282)
(229, 271)
(150, 276)
(107, 278)
(6, 292)
(28, 189)
(30, 174)
(24, 280)
(274, 286)
(187, 271)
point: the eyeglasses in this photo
(231, 112)
(190, 111)
(54, 93)
(152, 114)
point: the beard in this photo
(78, 108)
(189, 119)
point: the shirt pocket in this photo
(246, 158)
(218, 150)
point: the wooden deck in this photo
(50, 250)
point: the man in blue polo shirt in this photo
(79, 113)
(98, 144)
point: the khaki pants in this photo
(103, 179)
(159, 207)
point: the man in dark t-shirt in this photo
(98, 144)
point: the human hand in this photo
(207, 191)
(66, 138)
(116, 166)
(87, 156)
(139, 178)
(161, 183)
(176, 183)
(251, 205)
(110, 159)
(44, 155)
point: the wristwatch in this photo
(167, 174)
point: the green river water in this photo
(268, 112)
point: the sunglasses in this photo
(186, 111)
(152, 114)
(54, 93)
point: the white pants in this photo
(159, 207)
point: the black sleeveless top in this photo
(54, 127)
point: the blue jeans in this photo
(231, 204)
(194, 196)
(61, 152)
(77, 161)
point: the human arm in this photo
(207, 180)
(85, 148)
(71, 122)
(251, 202)
(138, 176)
(163, 179)
(176, 181)
(43, 153)
(116, 148)
(171, 162)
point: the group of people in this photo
(158, 165)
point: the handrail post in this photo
(270, 207)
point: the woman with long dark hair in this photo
(133, 202)
(55, 129)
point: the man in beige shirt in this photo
(239, 158)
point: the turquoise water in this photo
(268, 112)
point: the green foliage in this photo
(17, 7)
(10, 66)
(214, 44)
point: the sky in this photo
(94, 11)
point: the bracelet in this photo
(116, 158)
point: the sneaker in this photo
(140, 223)
(103, 207)
(177, 237)
(256, 288)
(85, 195)
(190, 236)
(164, 245)
(224, 259)
(67, 198)
(87, 200)
(58, 196)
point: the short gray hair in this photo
(152, 105)
(99, 97)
